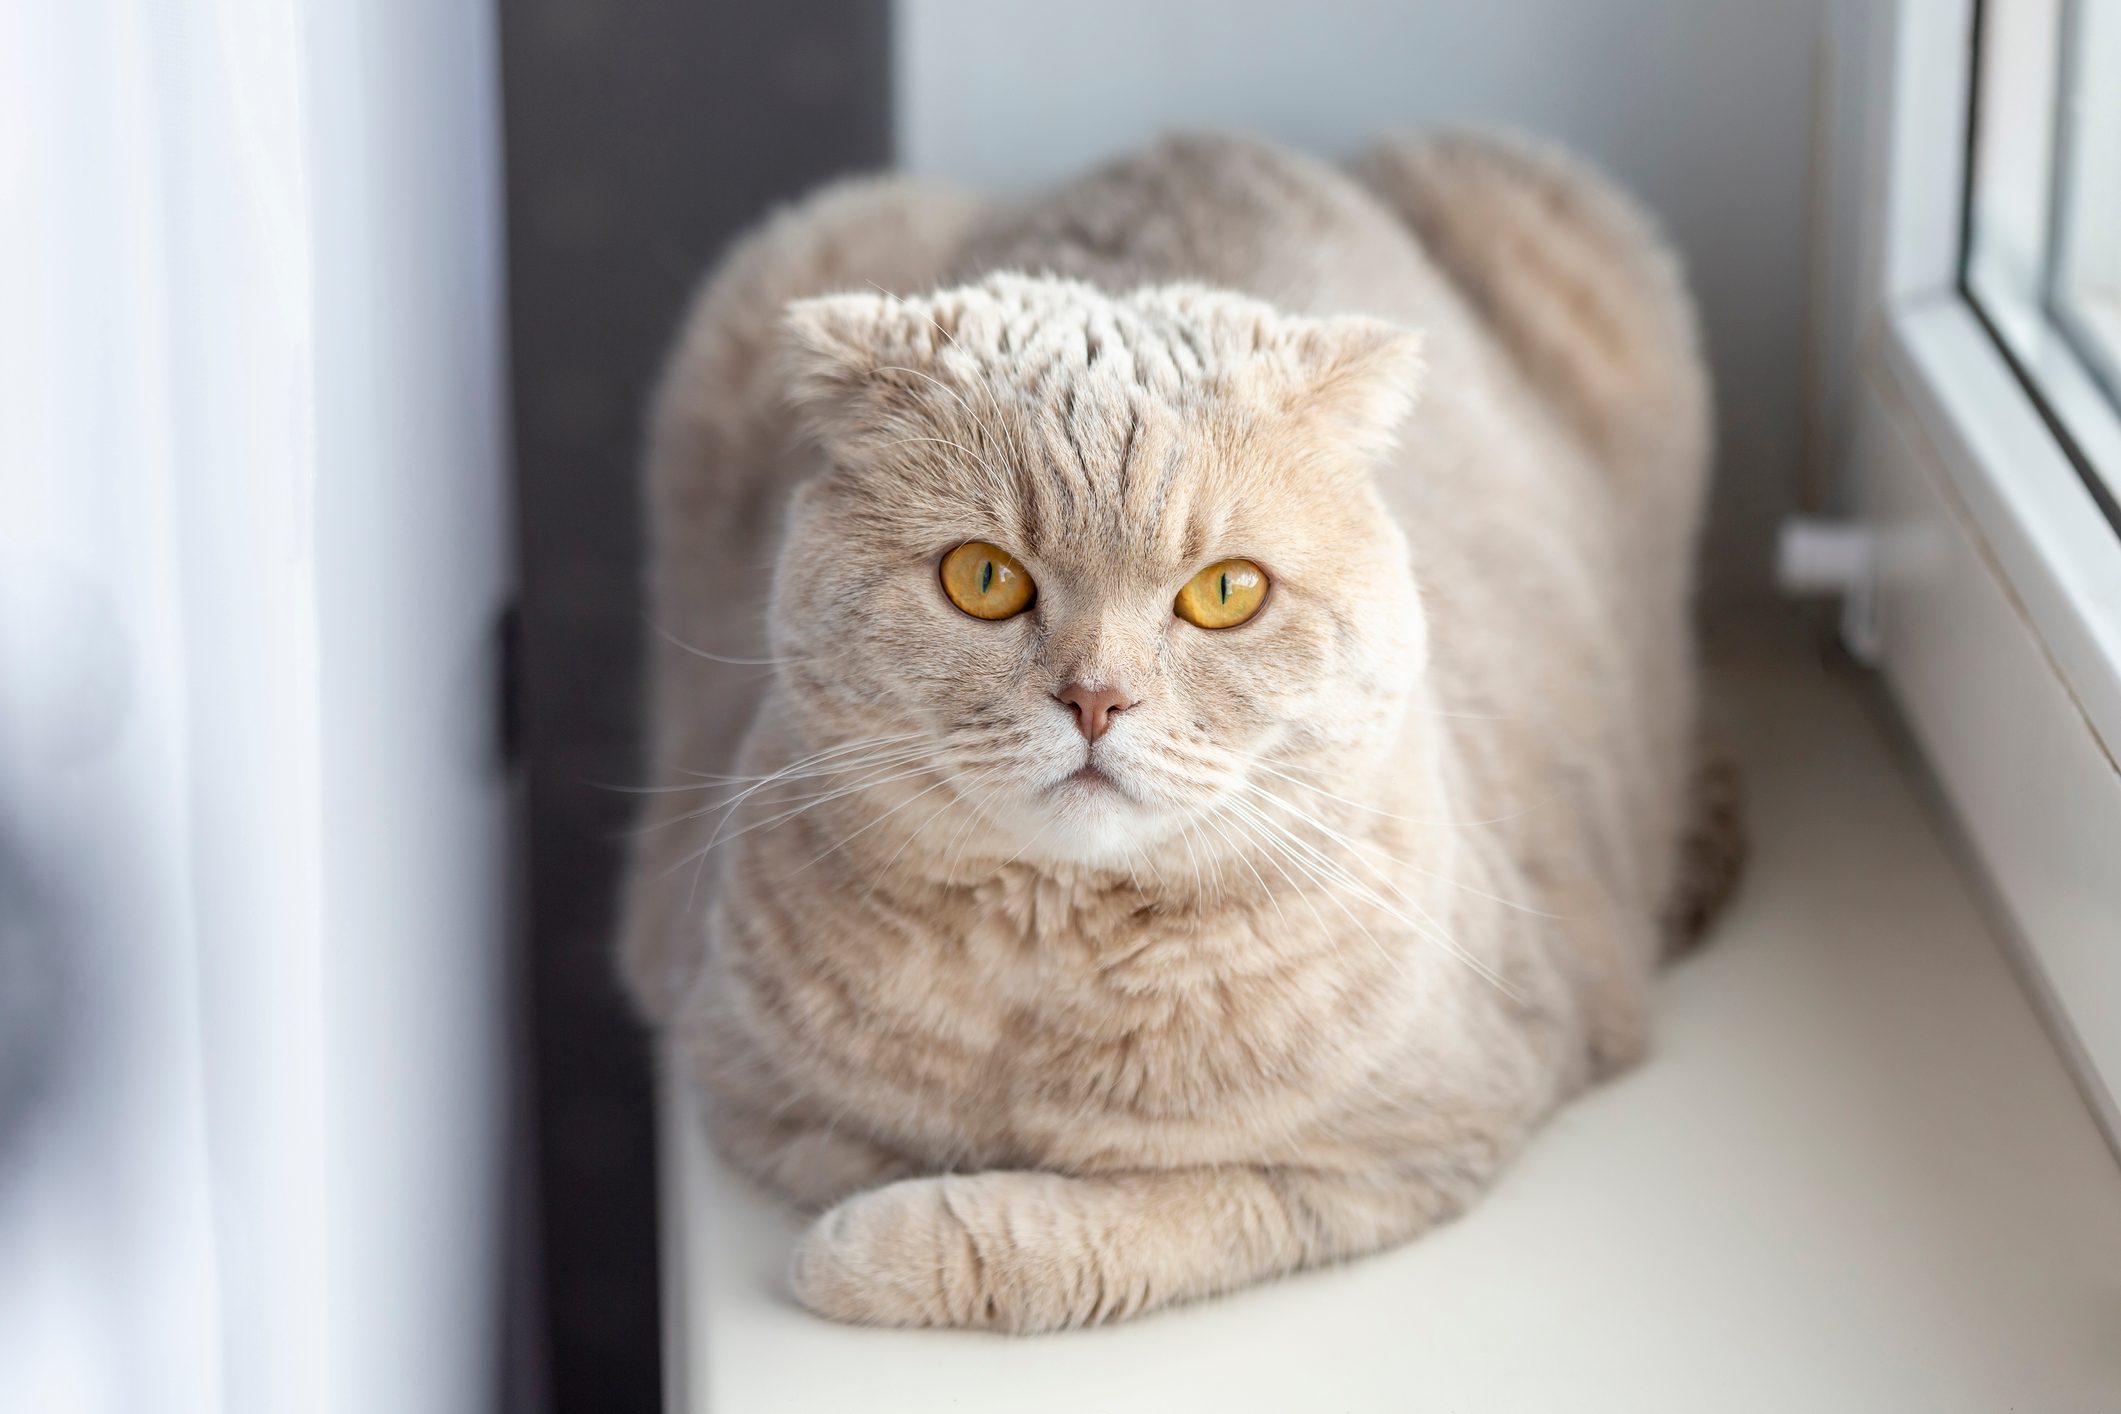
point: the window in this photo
(1985, 451)
(2042, 245)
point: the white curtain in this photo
(253, 532)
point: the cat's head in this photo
(1095, 565)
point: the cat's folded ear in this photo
(1352, 379)
(841, 354)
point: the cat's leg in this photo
(810, 1163)
(1030, 1251)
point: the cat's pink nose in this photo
(1095, 707)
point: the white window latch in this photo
(1820, 558)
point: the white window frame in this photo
(1996, 606)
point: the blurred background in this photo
(327, 333)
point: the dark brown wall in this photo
(641, 135)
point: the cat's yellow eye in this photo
(986, 581)
(1223, 595)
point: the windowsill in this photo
(1856, 1175)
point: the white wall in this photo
(1703, 107)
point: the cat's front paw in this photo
(987, 1251)
(894, 1256)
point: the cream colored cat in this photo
(1223, 773)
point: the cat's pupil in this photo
(1223, 583)
(986, 575)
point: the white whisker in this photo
(993, 403)
(674, 641)
(865, 829)
(1373, 847)
(1279, 851)
(1001, 482)
(815, 756)
(883, 871)
(974, 815)
(1213, 821)
(873, 773)
(1334, 870)
(1385, 814)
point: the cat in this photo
(1220, 763)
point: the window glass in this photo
(2042, 257)
(2087, 292)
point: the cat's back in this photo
(1219, 210)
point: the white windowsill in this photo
(1855, 1176)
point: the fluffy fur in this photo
(1378, 879)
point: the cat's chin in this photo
(1094, 820)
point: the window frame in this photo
(2050, 537)
(1998, 573)
(2049, 358)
